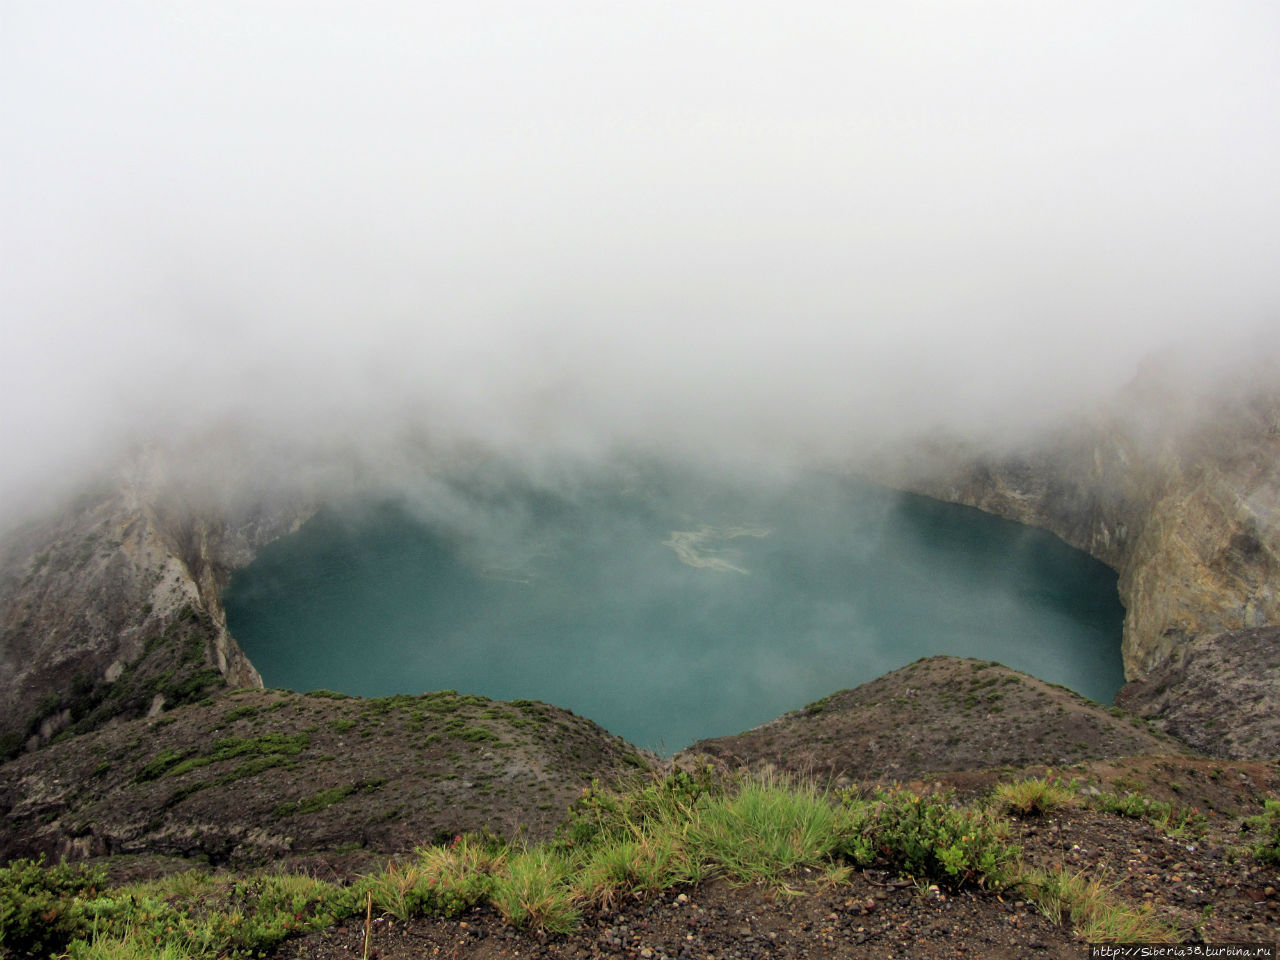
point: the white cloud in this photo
(736, 225)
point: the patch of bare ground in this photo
(936, 715)
(1201, 883)
(869, 916)
(1213, 787)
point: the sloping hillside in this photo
(267, 776)
(936, 715)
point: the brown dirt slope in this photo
(317, 779)
(936, 715)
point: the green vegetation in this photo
(275, 745)
(159, 765)
(327, 798)
(1031, 797)
(1173, 818)
(460, 729)
(678, 830)
(1267, 823)
(819, 705)
(241, 712)
(929, 839)
(42, 909)
(1091, 910)
(268, 750)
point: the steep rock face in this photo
(1188, 516)
(1216, 693)
(88, 595)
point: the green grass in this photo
(229, 748)
(327, 798)
(1088, 906)
(1031, 797)
(677, 830)
(1173, 819)
(764, 830)
(535, 888)
(1266, 826)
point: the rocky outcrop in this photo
(1216, 693)
(1184, 506)
(1181, 496)
(90, 595)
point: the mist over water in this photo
(558, 229)
(666, 604)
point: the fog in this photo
(749, 229)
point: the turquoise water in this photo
(665, 604)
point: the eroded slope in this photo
(269, 776)
(936, 715)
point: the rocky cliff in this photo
(1181, 496)
(113, 607)
(1216, 693)
(1187, 512)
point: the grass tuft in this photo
(535, 891)
(1089, 906)
(1173, 819)
(1032, 797)
(767, 829)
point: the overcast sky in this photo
(762, 226)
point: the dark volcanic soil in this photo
(939, 714)
(1203, 887)
(866, 917)
(335, 785)
(315, 781)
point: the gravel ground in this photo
(1205, 887)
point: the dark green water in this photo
(665, 605)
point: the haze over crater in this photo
(745, 230)
(665, 603)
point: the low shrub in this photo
(928, 839)
(1267, 825)
(42, 909)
